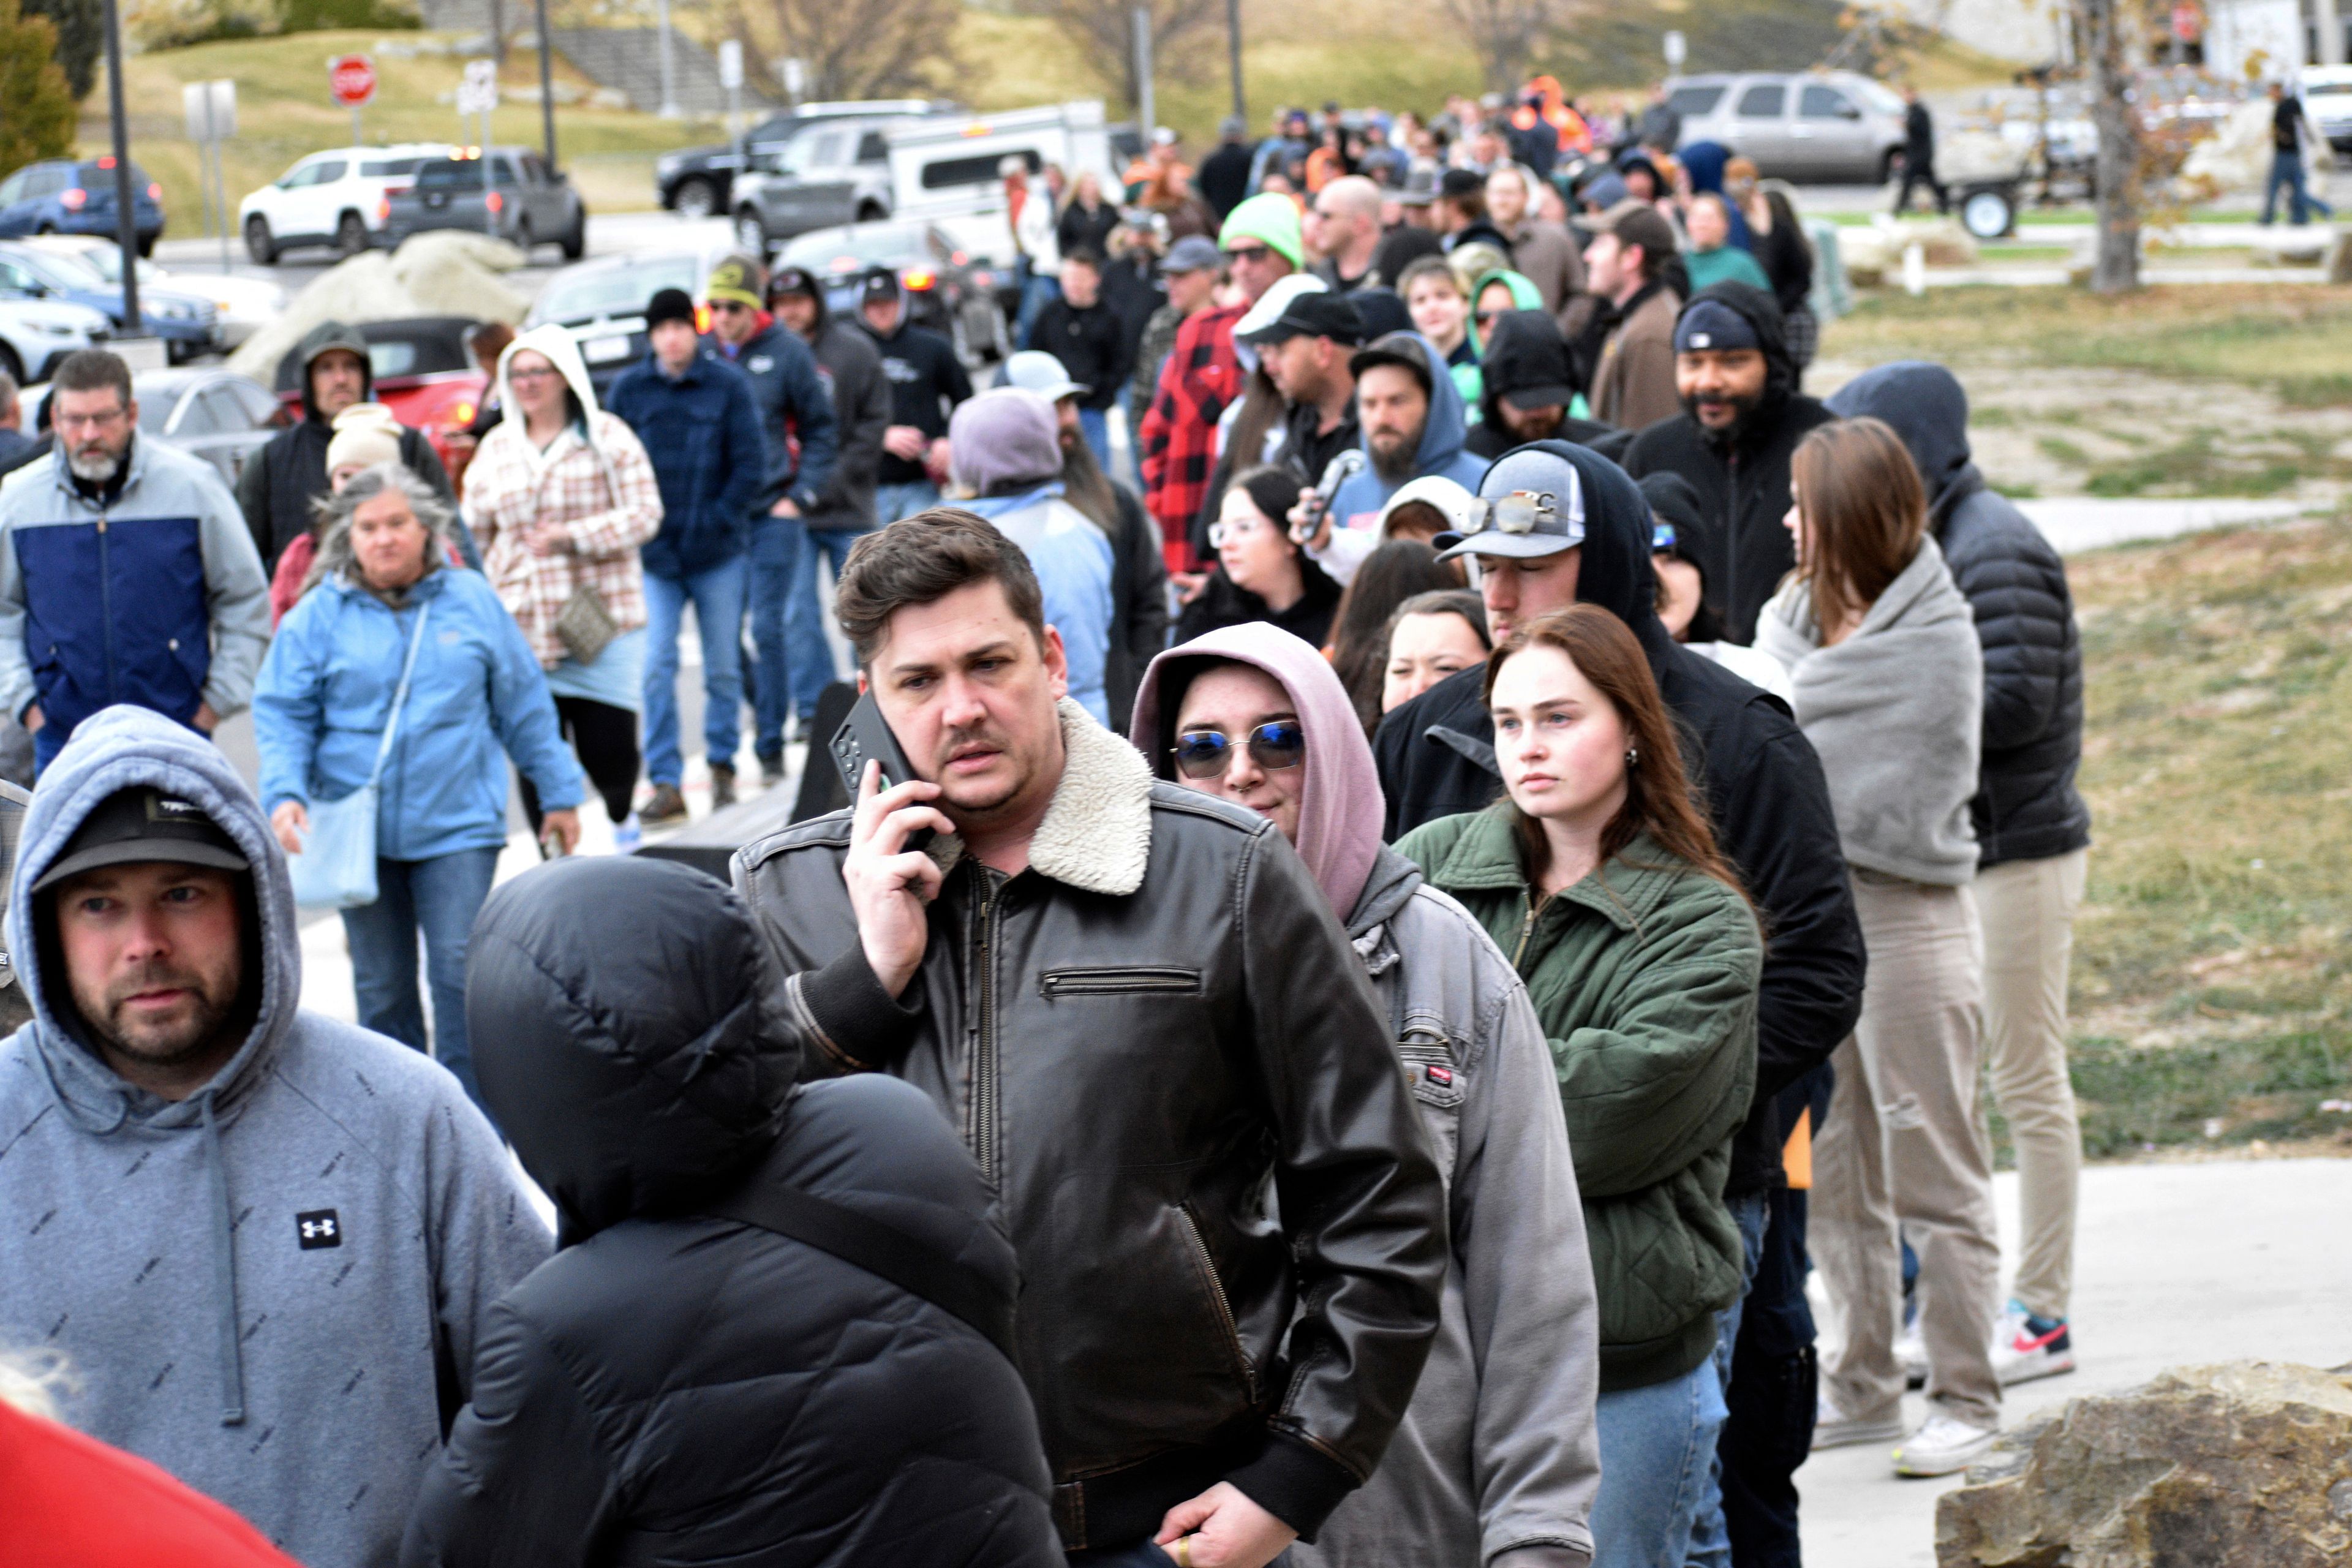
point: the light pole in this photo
(668, 67)
(546, 90)
(126, 216)
(1233, 52)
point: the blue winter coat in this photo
(796, 403)
(702, 432)
(477, 698)
(1359, 500)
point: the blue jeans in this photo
(1655, 1446)
(1093, 423)
(1710, 1545)
(892, 502)
(2286, 175)
(718, 595)
(442, 896)
(790, 660)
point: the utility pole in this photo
(546, 88)
(126, 216)
(1143, 104)
(1233, 55)
(669, 110)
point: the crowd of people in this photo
(1439, 880)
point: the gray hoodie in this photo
(271, 1289)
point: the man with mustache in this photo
(1741, 420)
(126, 572)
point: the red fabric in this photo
(285, 583)
(70, 1502)
(1179, 434)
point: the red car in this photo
(424, 375)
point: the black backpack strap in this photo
(947, 1283)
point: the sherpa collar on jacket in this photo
(1095, 836)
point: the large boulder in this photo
(441, 273)
(2245, 1465)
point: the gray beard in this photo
(94, 470)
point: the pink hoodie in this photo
(1341, 809)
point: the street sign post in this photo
(478, 94)
(211, 110)
(1677, 50)
(795, 74)
(352, 78)
(730, 76)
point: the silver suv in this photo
(832, 172)
(1795, 125)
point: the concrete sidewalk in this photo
(2176, 1264)
(2076, 523)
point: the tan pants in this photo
(2028, 908)
(1904, 1143)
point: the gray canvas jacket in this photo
(1497, 1452)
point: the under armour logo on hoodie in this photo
(318, 1228)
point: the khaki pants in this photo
(2027, 906)
(1904, 1143)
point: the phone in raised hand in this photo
(1342, 466)
(864, 736)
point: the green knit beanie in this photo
(1272, 218)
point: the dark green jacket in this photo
(1643, 975)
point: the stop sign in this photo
(352, 78)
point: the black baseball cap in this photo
(881, 283)
(144, 824)
(794, 280)
(1311, 315)
(670, 305)
(1460, 182)
(1396, 348)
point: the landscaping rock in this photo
(2244, 1465)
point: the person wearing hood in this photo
(356, 695)
(2032, 829)
(1495, 293)
(1414, 425)
(562, 495)
(1496, 1461)
(1529, 387)
(125, 572)
(1006, 449)
(266, 1242)
(1882, 653)
(1640, 951)
(797, 666)
(684, 1379)
(1679, 547)
(279, 484)
(1627, 345)
(1705, 164)
(1741, 420)
(1177, 442)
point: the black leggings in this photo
(606, 740)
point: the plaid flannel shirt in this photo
(1179, 431)
(608, 507)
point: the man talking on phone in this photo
(1132, 1002)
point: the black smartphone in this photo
(864, 736)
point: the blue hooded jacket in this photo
(795, 402)
(1359, 501)
(702, 432)
(1072, 561)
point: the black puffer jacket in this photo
(2027, 807)
(1743, 479)
(676, 1390)
(1762, 784)
(1141, 1035)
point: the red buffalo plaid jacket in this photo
(1179, 431)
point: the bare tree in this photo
(1504, 34)
(2109, 28)
(1181, 31)
(854, 49)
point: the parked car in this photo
(36, 334)
(1795, 125)
(243, 305)
(604, 303)
(701, 180)
(68, 195)
(949, 295)
(2328, 98)
(835, 171)
(422, 372)
(943, 170)
(509, 192)
(187, 324)
(333, 198)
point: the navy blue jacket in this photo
(702, 432)
(793, 403)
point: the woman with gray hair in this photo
(402, 670)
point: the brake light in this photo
(384, 209)
(460, 413)
(72, 197)
(494, 200)
(918, 279)
(701, 320)
(983, 279)
(958, 259)
(106, 161)
(154, 190)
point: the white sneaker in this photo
(627, 834)
(2025, 1347)
(1944, 1446)
(1833, 1428)
(1911, 1350)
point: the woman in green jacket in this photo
(1601, 879)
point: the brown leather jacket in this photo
(1633, 384)
(1146, 1038)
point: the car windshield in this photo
(106, 260)
(57, 270)
(810, 150)
(451, 174)
(616, 291)
(860, 247)
(1877, 96)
